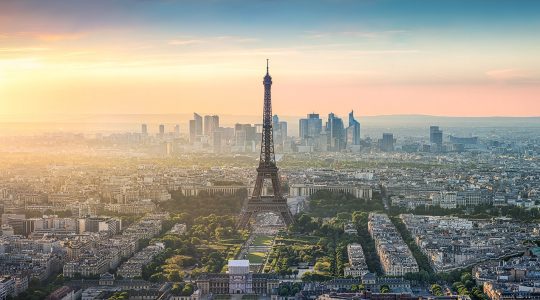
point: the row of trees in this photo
(421, 258)
(360, 219)
(486, 211)
(182, 289)
(329, 204)
(289, 289)
(204, 204)
(466, 286)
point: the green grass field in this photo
(263, 240)
(256, 257)
(298, 239)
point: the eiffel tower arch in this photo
(267, 170)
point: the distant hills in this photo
(426, 120)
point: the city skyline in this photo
(307, 150)
(447, 58)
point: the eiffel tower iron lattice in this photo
(267, 169)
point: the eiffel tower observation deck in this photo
(267, 170)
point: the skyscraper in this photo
(144, 129)
(280, 130)
(211, 123)
(195, 127)
(161, 130)
(436, 136)
(310, 127)
(177, 130)
(335, 133)
(387, 142)
(275, 120)
(283, 128)
(245, 134)
(353, 131)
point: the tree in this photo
(283, 290)
(310, 276)
(187, 290)
(343, 216)
(436, 290)
(157, 277)
(176, 289)
(59, 280)
(119, 296)
(385, 289)
(175, 275)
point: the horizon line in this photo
(255, 115)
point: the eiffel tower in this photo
(267, 169)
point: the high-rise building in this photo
(195, 127)
(283, 128)
(464, 140)
(436, 136)
(245, 134)
(144, 129)
(353, 131)
(280, 130)
(161, 130)
(192, 130)
(310, 127)
(387, 142)
(335, 133)
(275, 120)
(177, 130)
(211, 123)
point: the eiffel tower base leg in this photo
(287, 218)
(262, 205)
(243, 221)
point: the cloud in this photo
(213, 39)
(238, 39)
(383, 52)
(354, 33)
(181, 42)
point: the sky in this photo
(446, 57)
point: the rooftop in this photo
(238, 263)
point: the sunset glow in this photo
(183, 56)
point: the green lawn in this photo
(297, 239)
(263, 240)
(256, 257)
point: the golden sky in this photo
(375, 57)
